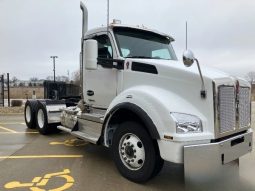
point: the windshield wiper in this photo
(139, 57)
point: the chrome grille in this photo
(244, 107)
(227, 110)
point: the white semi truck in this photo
(147, 106)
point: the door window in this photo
(104, 46)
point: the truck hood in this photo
(172, 87)
(176, 69)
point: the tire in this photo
(29, 113)
(42, 120)
(158, 167)
(134, 152)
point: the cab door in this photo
(101, 84)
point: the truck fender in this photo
(146, 120)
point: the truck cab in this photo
(148, 107)
(121, 42)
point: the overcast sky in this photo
(221, 33)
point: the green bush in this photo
(16, 103)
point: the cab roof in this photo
(113, 25)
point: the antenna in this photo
(108, 10)
(186, 35)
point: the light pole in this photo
(54, 57)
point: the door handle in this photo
(90, 93)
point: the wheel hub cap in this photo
(40, 118)
(132, 151)
(28, 114)
(129, 152)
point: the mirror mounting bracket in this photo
(188, 60)
(203, 91)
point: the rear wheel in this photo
(42, 120)
(134, 153)
(29, 113)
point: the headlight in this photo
(186, 123)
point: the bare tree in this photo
(50, 78)
(76, 77)
(58, 78)
(251, 77)
(14, 81)
(21, 84)
(62, 78)
(34, 79)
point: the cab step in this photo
(85, 136)
(90, 137)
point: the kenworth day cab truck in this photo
(147, 106)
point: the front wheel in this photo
(134, 153)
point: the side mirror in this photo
(188, 58)
(90, 54)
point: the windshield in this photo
(135, 43)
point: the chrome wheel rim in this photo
(28, 114)
(40, 118)
(131, 151)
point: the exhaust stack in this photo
(84, 30)
(84, 18)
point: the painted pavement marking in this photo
(6, 129)
(32, 132)
(13, 123)
(40, 156)
(38, 182)
(70, 143)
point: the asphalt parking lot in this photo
(30, 161)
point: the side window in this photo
(161, 53)
(104, 46)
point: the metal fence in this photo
(1, 90)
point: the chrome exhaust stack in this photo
(84, 18)
(84, 30)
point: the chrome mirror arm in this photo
(203, 91)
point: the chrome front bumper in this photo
(207, 160)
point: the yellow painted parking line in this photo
(33, 132)
(71, 143)
(40, 156)
(6, 129)
(13, 123)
